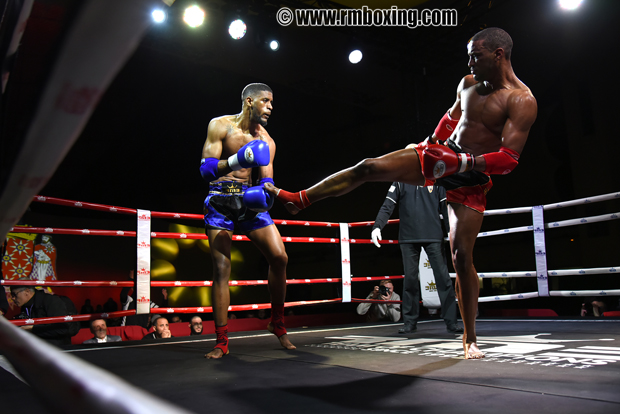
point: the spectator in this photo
(195, 326)
(162, 329)
(99, 328)
(38, 304)
(4, 303)
(86, 309)
(420, 210)
(110, 306)
(175, 319)
(379, 311)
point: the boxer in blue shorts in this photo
(235, 145)
(224, 209)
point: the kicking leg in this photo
(269, 242)
(402, 166)
(465, 224)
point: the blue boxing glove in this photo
(209, 170)
(257, 199)
(253, 154)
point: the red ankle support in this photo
(277, 319)
(300, 199)
(221, 341)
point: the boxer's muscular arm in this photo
(212, 148)
(455, 111)
(267, 170)
(522, 110)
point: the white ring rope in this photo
(580, 201)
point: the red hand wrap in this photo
(446, 127)
(300, 200)
(501, 162)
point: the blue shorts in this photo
(224, 209)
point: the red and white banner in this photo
(345, 256)
(143, 293)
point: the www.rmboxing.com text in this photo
(393, 17)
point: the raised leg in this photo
(402, 166)
(465, 224)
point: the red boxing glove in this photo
(446, 127)
(440, 161)
(501, 162)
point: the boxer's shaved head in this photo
(253, 89)
(495, 38)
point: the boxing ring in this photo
(525, 358)
(144, 235)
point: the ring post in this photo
(540, 250)
(345, 254)
(143, 281)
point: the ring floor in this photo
(530, 366)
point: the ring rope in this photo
(173, 283)
(580, 201)
(123, 210)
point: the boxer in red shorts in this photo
(485, 131)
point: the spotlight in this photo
(355, 56)
(194, 16)
(274, 45)
(237, 29)
(159, 16)
(569, 4)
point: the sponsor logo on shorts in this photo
(537, 349)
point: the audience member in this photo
(381, 311)
(37, 304)
(4, 303)
(86, 309)
(175, 319)
(195, 326)
(162, 329)
(99, 328)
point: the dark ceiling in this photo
(149, 127)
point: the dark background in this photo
(142, 146)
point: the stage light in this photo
(237, 29)
(570, 4)
(194, 16)
(355, 56)
(159, 16)
(274, 45)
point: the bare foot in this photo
(290, 207)
(472, 351)
(284, 341)
(216, 353)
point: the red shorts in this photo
(472, 196)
